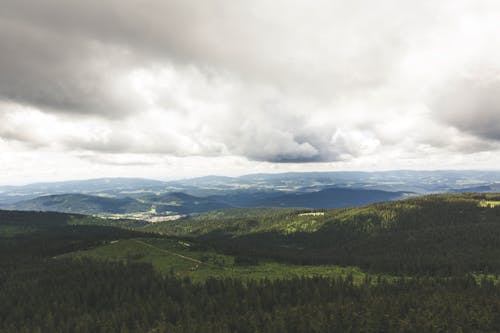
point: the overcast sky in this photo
(179, 88)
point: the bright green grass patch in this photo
(312, 214)
(480, 277)
(273, 270)
(489, 204)
(174, 257)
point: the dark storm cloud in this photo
(69, 56)
(49, 71)
(471, 105)
(65, 55)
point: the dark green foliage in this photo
(245, 261)
(37, 219)
(52, 219)
(87, 296)
(44, 235)
(235, 213)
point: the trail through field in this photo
(170, 252)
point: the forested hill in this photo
(82, 204)
(437, 234)
(57, 275)
(17, 220)
(331, 198)
(175, 203)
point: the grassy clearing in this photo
(170, 256)
(273, 270)
(312, 214)
(489, 204)
(134, 250)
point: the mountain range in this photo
(181, 197)
(182, 204)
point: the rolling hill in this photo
(331, 198)
(445, 234)
(265, 185)
(165, 204)
(82, 204)
(181, 203)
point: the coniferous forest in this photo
(431, 265)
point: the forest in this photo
(430, 264)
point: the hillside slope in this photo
(165, 204)
(182, 203)
(331, 198)
(81, 203)
(444, 234)
(173, 203)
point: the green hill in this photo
(165, 204)
(332, 198)
(82, 204)
(443, 234)
(182, 203)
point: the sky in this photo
(182, 88)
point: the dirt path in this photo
(169, 252)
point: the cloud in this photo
(46, 70)
(286, 82)
(471, 105)
(71, 56)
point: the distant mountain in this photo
(165, 204)
(423, 182)
(115, 187)
(332, 198)
(483, 188)
(182, 203)
(247, 197)
(91, 185)
(82, 204)
(258, 189)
